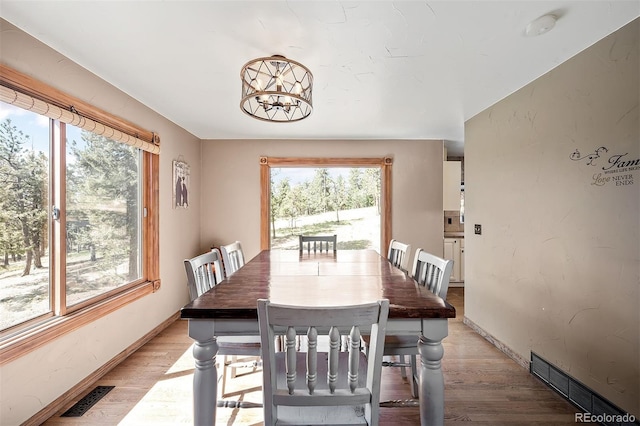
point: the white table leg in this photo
(205, 378)
(431, 379)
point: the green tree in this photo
(300, 199)
(274, 202)
(105, 176)
(278, 201)
(23, 178)
(357, 197)
(339, 197)
(371, 187)
(320, 188)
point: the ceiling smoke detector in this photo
(542, 25)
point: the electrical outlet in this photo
(477, 229)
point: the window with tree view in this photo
(24, 200)
(344, 201)
(99, 212)
(103, 215)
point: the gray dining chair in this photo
(233, 257)
(317, 387)
(398, 254)
(434, 273)
(319, 242)
(203, 273)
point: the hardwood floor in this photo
(482, 386)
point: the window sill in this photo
(34, 337)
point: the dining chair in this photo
(434, 273)
(323, 241)
(317, 387)
(203, 273)
(398, 254)
(233, 257)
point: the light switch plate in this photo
(477, 229)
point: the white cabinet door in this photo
(451, 179)
(452, 251)
(461, 259)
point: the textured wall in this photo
(556, 269)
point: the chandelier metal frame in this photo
(276, 89)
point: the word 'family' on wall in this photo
(617, 169)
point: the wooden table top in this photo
(347, 277)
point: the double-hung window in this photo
(78, 207)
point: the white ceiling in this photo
(382, 69)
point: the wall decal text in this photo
(615, 169)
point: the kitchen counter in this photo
(454, 235)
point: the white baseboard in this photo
(523, 362)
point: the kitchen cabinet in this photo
(462, 259)
(454, 249)
(451, 180)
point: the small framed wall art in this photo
(181, 176)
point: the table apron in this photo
(431, 328)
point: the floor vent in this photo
(87, 402)
(579, 395)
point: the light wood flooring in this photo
(482, 386)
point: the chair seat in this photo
(317, 416)
(239, 345)
(401, 342)
(398, 345)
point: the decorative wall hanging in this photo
(611, 168)
(181, 178)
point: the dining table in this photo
(344, 277)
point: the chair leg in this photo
(234, 370)
(414, 376)
(224, 375)
(403, 370)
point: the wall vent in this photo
(88, 401)
(578, 394)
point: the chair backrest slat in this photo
(319, 242)
(312, 359)
(432, 271)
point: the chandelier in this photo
(276, 89)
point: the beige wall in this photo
(231, 180)
(556, 269)
(30, 383)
